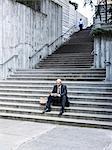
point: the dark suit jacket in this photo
(63, 90)
(63, 93)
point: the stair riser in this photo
(91, 105)
(71, 98)
(59, 122)
(21, 96)
(68, 59)
(49, 88)
(64, 79)
(74, 49)
(60, 75)
(90, 94)
(51, 83)
(59, 72)
(59, 69)
(67, 56)
(33, 101)
(70, 93)
(65, 116)
(75, 110)
(71, 104)
(92, 100)
(36, 101)
(66, 65)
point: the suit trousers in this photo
(62, 102)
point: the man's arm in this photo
(54, 89)
(64, 91)
(54, 92)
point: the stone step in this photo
(80, 55)
(66, 63)
(49, 87)
(46, 91)
(60, 72)
(107, 101)
(59, 120)
(60, 75)
(54, 78)
(90, 110)
(68, 83)
(62, 54)
(60, 69)
(86, 116)
(92, 98)
(73, 54)
(64, 66)
(95, 104)
(72, 99)
(74, 48)
(75, 97)
(68, 58)
(73, 103)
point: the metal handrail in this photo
(38, 51)
(51, 43)
(62, 35)
(9, 59)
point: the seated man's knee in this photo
(64, 97)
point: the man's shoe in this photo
(46, 110)
(60, 114)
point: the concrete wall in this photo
(24, 31)
(103, 52)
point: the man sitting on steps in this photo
(59, 94)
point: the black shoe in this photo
(46, 110)
(60, 114)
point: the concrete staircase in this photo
(90, 96)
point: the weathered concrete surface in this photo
(14, 133)
(22, 135)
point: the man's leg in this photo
(48, 104)
(63, 101)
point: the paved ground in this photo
(22, 135)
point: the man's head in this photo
(58, 82)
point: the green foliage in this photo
(101, 32)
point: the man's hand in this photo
(55, 94)
(50, 93)
(58, 95)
